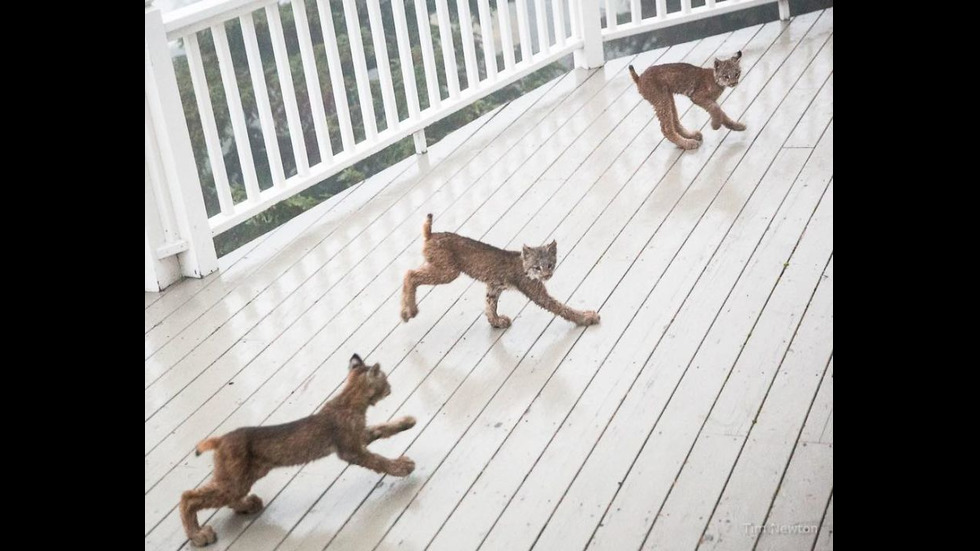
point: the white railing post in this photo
(175, 221)
(421, 146)
(590, 55)
(784, 10)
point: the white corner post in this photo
(177, 235)
(421, 147)
(590, 55)
(784, 10)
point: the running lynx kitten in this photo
(448, 254)
(245, 455)
(659, 83)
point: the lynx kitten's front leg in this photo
(402, 466)
(535, 290)
(388, 429)
(589, 317)
(734, 125)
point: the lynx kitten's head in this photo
(369, 380)
(727, 71)
(540, 262)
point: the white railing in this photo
(660, 16)
(529, 34)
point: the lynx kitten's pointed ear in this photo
(525, 251)
(717, 64)
(356, 361)
(375, 369)
(738, 55)
(553, 247)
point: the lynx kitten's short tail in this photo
(427, 227)
(207, 445)
(636, 77)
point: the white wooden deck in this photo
(698, 411)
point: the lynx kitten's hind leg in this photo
(428, 274)
(496, 320)
(192, 501)
(204, 536)
(248, 505)
(665, 112)
(695, 135)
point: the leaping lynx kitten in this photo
(245, 455)
(659, 83)
(448, 254)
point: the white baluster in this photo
(486, 31)
(336, 74)
(312, 76)
(288, 92)
(257, 72)
(524, 31)
(448, 50)
(469, 48)
(428, 53)
(360, 70)
(383, 66)
(212, 140)
(506, 33)
(235, 112)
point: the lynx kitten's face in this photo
(540, 262)
(728, 71)
(370, 379)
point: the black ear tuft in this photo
(356, 361)
(738, 54)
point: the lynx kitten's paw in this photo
(403, 466)
(737, 126)
(502, 322)
(590, 318)
(406, 423)
(204, 536)
(409, 312)
(250, 505)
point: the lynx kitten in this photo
(447, 255)
(659, 83)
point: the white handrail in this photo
(207, 13)
(664, 18)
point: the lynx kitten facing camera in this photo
(447, 255)
(659, 83)
(245, 455)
